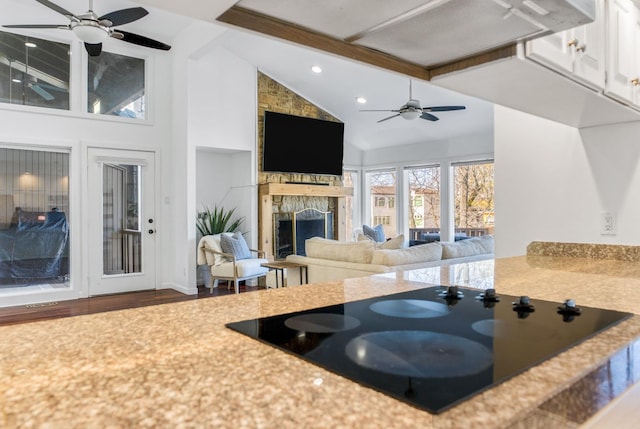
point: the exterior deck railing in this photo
(416, 233)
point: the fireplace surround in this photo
(282, 199)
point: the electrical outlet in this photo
(608, 223)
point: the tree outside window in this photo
(473, 193)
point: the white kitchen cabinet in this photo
(577, 52)
(623, 52)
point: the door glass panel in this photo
(34, 228)
(122, 252)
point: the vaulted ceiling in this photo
(335, 89)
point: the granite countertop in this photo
(177, 365)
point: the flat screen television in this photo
(295, 144)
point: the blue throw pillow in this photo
(236, 245)
(376, 233)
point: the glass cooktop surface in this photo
(433, 347)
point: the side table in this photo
(280, 266)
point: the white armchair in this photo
(225, 266)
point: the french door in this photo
(122, 251)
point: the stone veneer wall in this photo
(275, 97)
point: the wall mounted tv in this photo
(295, 144)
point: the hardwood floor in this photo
(99, 304)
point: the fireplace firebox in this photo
(293, 228)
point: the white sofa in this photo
(330, 260)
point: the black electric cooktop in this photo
(433, 347)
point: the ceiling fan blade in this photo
(124, 16)
(443, 108)
(389, 117)
(50, 87)
(141, 40)
(58, 9)
(429, 117)
(41, 92)
(385, 110)
(62, 27)
(93, 49)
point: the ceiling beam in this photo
(264, 24)
(475, 60)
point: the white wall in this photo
(222, 101)
(224, 180)
(215, 109)
(553, 182)
(465, 148)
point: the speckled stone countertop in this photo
(178, 366)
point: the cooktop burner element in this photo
(419, 354)
(321, 322)
(433, 347)
(410, 308)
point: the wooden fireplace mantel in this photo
(267, 191)
(304, 190)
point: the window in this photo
(34, 229)
(424, 199)
(116, 86)
(382, 189)
(34, 72)
(382, 220)
(391, 202)
(473, 198)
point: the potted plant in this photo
(219, 220)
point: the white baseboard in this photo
(180, 288)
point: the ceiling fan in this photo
(93, 29)
(413, 110)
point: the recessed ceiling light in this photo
(16, 80)
(316, 69)
(29, 44)
(361, 100)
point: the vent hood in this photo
(421, 32)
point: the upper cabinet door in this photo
(577, 52)
(588, 46)
(553, 51)
(623, 69)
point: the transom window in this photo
(34, 72)
(116, 86)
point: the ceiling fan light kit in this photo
(410, 114)
(413, 110)
(93, 29)
(90, 32)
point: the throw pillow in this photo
(236, 245)
(376, 233)
(347, 251)
(392, 243)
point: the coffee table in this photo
(280, 266)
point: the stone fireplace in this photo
(291, 213)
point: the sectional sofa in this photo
(330, 260)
